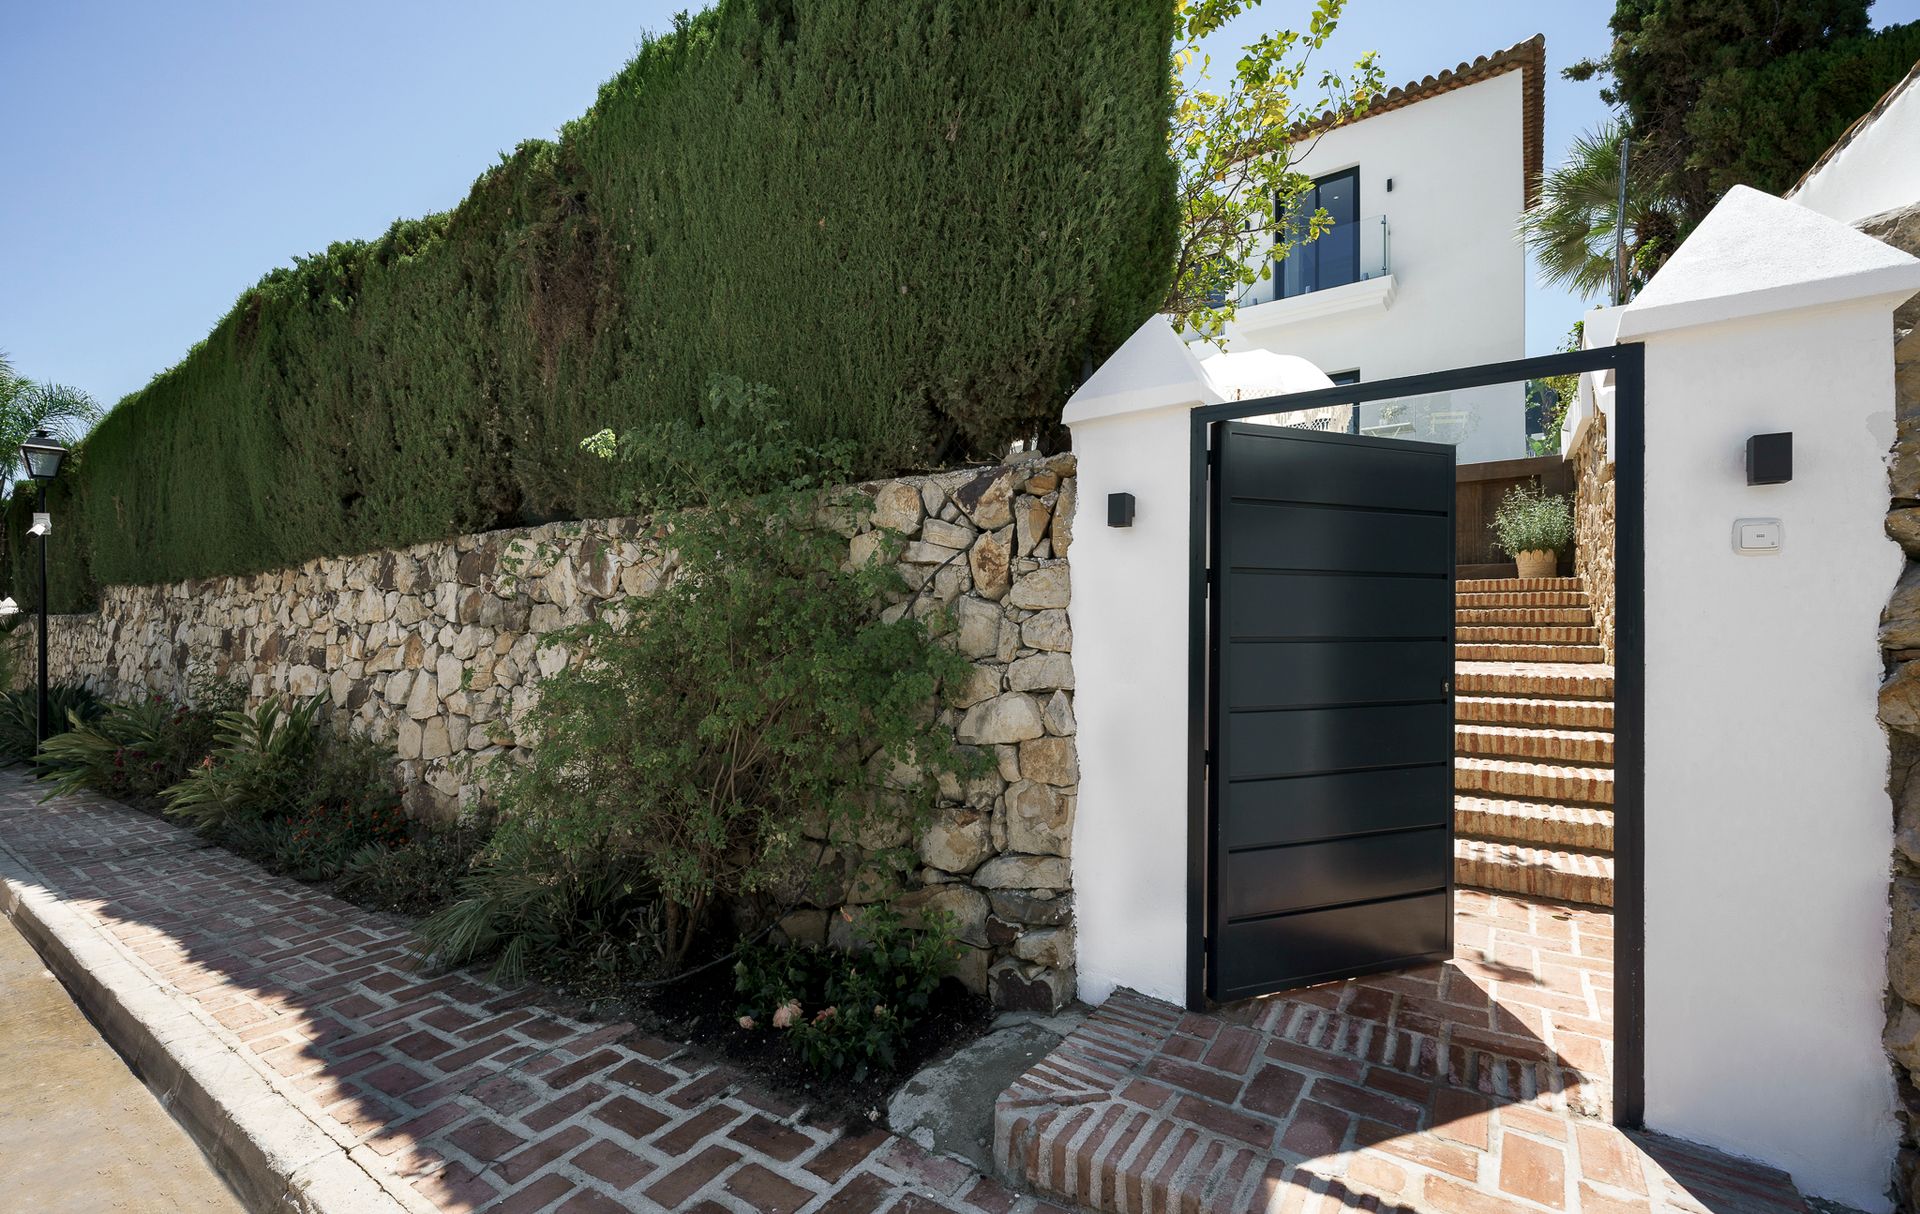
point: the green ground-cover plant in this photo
(696, 731)
(1529, 519)
(418, 875)
(917, 221)
(846, 1010)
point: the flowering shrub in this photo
(327, 834)
(846, 1010)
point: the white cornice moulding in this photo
(1371, 294)
(1755, 255)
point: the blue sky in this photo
(163, 157)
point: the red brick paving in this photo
(1474, 1087)
(478, 1097)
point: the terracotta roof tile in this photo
(1529, 58)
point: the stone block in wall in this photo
(1012, 717)
(965, 906)
(1048, 584)
(1039, 819)
(1022, 872)
(1021, 986)
(957, 841)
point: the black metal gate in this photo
(1330, 736)
(1279, 942)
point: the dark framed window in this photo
(1332, 260)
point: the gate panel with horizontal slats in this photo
(1330, 782)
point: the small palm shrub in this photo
(258, 767)
(138, 750)
(1530, 519)
(846, 1010)
(96, 754)
(67, 703)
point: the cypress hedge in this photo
(914, 220)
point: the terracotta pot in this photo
(1538, 563)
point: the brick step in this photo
(1543, 824)
(1555, 680)
(1507, 634)
(1519, 742)
(1545, 781)
(1540, 712)
(1517, 616)
(1510, 585)
(1515, 868)
(1490, 652)
(1521, 598)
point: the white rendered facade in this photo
(1447, 173)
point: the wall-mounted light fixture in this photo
(1119, 509)
(1770, 459)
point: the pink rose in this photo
(786, 1014)
(746, 1022)
(826, 1013)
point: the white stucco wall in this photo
(1877, 169)
(1129, 616)
(1768, 832)
(1459, 271)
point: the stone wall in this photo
(1900, 711)
(1593, 524)
(435, 650)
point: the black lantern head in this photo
(43, 455)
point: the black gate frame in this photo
(1626, 439)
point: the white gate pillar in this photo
(1767, 829)
(1130, 616)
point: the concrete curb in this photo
(268, 1140)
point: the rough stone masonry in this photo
(1900, 711)
(435, 649)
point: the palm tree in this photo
(1571, 227)
(26, 406)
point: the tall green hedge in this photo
(914, 219)
(69, 566)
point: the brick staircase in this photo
(1533, 741)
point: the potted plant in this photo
(1532, 525)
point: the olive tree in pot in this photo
(1533, 525)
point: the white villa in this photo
(1423, 268)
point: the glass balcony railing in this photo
(1344, 253)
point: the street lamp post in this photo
(43, 455)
